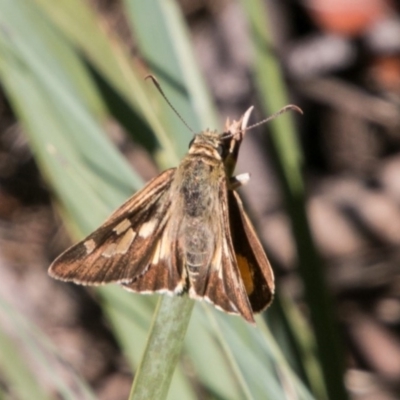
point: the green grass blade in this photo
(211, 365)
(134, 319)
(20, 379)
(113, 62)
(258, 363)
(45, 355)
(161, 354)
(73, 161)
(169, 55)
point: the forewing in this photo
(255, 269)
(121, 249)
(221, 283)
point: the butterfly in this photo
(185, 232)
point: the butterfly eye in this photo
(222, 150)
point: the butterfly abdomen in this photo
(197, 244)
(197, 194)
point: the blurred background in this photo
(339, 61)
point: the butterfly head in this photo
(211, 144)
(221, 145)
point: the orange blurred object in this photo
(347, 17)
(385, 72)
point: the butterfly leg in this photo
(239, 180)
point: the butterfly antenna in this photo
(158, 86)
(289, 107)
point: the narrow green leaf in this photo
(258, 363)
(113, 62)
(169, 55)
(163, 349)
(20, 379)
(210, 363)
(72, 157)
(46, 356)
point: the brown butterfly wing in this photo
(121, 249)
(220, 283)
(255, 269)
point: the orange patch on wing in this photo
(245, 273)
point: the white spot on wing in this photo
(126, 241)
(234, 308)
(216, 260)
(165, 247)
(156, 256)
(147, 228)
(109, 251)
(90, 245)
(121, 246)
(122, 226)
